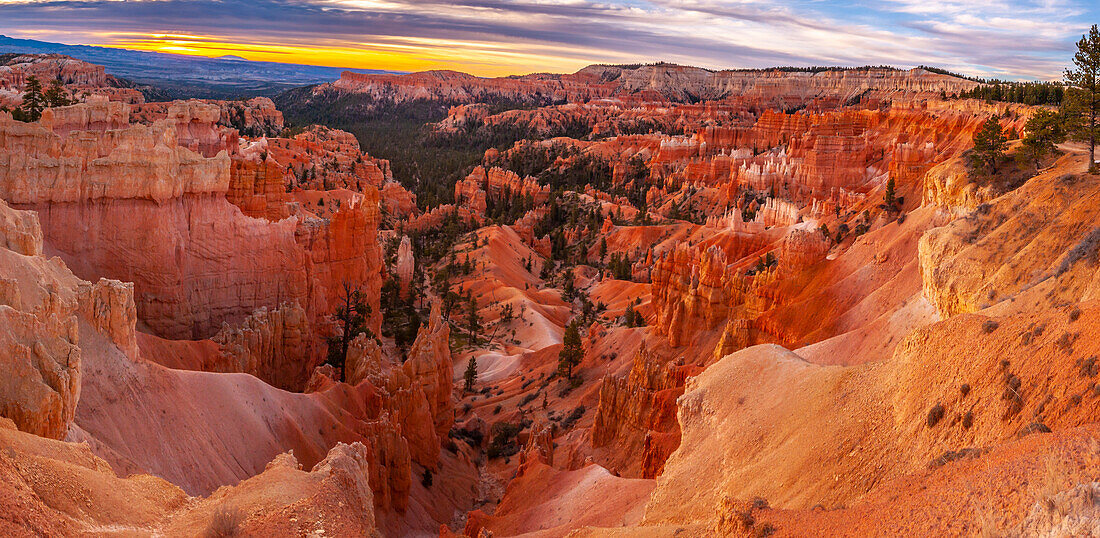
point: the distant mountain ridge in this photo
(190, 76)
(782, 87)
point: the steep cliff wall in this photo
(134, 205)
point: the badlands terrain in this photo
(646, 300)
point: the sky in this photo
(1011, 39)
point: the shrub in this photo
(503, 440)
(989, 326)
(226, 522)
(426, 480)
(935, 415)
(473, 436)
(1066, 342)
(1034, 427)
(528, 398)
(964, 389)
(955, 455)
(573, 417)
(764, 530)
(1089, 367)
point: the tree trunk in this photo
(1092, 135)
(1092, 129)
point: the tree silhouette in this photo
(572, 351)
(351, 317)
(470, 376)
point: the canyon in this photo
(657, 301)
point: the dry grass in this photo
(226, 522)
(1052, 483)
(987, 525)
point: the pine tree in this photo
(351, 317)
(629, 315)
(572, 351)
(1082, 103)
(472, 319)
(989, 145)
(889, 194)
(471, 375)
(33, 101)
(1043, 130)
(56, 95)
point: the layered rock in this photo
(429, 365)
(1033, 247)
(256, 117)
(698, 290)
(660, 81)
(197, 262)
(416, 393)
(637, 414)
(79, 78)
(405, 265)
(41, 307)
(274, 345)
(108, 305)
(321, 158)
(258, 187)
(39, 341)
(79, 165)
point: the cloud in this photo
(1026, 38)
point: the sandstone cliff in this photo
(198, 262)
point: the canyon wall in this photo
(653, 82)
(132, 204)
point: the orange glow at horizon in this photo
(412, 54)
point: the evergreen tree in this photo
(629, 315)
(351, 317)
(989, 145)
(572, 351)
(889, 194)
(472, 319)
(56, 95)
(1082, 104)
(1043, 130)
(33, 101)
(471, 375)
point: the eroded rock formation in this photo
(198, 262)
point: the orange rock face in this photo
(416, 393)
(38, 331)
(256, 117)
(79, 78)
(430, 366)
(284, 499)
(273, 345)
(405, 265)
(637, 414)
(652, 82)
(195, 250)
